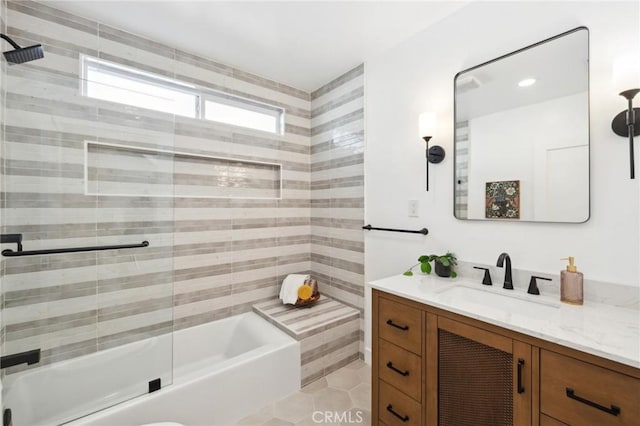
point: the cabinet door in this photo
(483, 378)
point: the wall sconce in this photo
(626, 77)
(436, 153)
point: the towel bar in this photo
(423, 231)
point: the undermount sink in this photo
(515, 304)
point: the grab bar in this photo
(28, 357)
(20, 252)
(423, 231)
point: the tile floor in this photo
(341, 398)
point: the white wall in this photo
(417, 76)
(523, 152)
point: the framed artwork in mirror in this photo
(502, 200)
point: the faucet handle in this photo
(533, 284)
(486, 280)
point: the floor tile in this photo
(344, 378)
(334, 400)
(364, 374)
(341, 398)
(278, 422)
(361, 396)
(356, 365)
(357, 416)
(294, 408)
(313, 387)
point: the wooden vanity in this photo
(434, 367)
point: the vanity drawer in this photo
(400, 368)
(578, 393)
(400, 324)
(396, 408)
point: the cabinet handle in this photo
(401, 327)
(614, 410)
(400, 416)
(402, 373)
(520, 365)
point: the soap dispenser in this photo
(571, 284)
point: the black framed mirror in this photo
(522, 134)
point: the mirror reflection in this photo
(522, 134)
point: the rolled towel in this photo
(289, 289)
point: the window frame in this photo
(201, 94)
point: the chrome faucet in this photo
(508, 283)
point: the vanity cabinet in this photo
(434, 367)
(579, 393)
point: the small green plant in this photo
(447, 260)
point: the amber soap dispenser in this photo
(571, 284)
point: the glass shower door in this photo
(82, 173)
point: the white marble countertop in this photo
(607, 331)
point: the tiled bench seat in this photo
(329, 333)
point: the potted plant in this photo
(443, 265)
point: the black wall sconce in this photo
(627, 123)
(624, 124)
(436, 153)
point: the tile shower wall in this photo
(120, 170)
(209, 258)
(3, 27)
(462, 170)
(337, 188)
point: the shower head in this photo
(22, 54)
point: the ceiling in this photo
(559, 66)
(299, 43)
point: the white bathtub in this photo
(222, 371)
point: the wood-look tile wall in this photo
(329, 334)
(337, 188)
(462, 170)
(3, 27)
(209, 258)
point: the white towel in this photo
(289, 289)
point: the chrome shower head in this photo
(22, 54)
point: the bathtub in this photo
(222, 371)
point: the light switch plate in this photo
(414, 208)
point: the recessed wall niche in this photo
(127, 171)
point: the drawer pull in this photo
(400, 416)
(402, 373)
(401, 327)
(520, 385)
(614, 410)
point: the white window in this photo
(116, 83)
(111, 82)
(242, 114)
